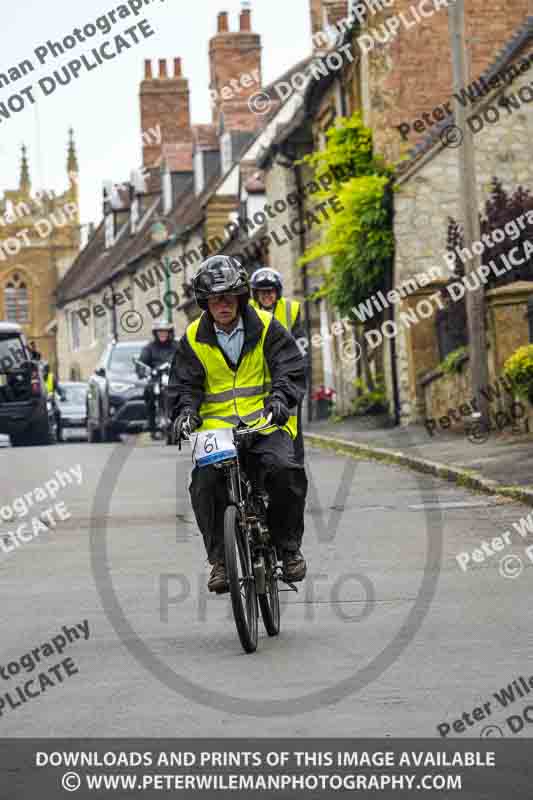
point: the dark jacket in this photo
(285, 363)
(154, 354)
(298, 330)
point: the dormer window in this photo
(109, 217)
(199, 172)
(134, 214)
(109, 229)
(226, 152)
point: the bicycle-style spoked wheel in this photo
(240, 576)
(269, 601)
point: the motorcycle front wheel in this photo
(240, 577)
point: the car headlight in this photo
(119, 388)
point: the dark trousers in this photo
(299, 453)
(269, 460)
(149, 399)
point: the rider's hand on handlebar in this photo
(187, 422)
(278, 410)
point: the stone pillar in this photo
(417, 351)
(507, 318)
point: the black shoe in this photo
(217, 580)
(294, 566)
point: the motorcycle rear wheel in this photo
(269, 601)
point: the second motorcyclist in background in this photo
(267, 290)
(159, 351)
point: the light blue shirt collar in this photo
(232, 342)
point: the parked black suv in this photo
(115, 399)
(26, 411)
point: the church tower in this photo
(39, 240)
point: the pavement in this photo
(501, 465)
(387, 636)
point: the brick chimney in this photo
(165, 112)
(326, 13)
(235, 55)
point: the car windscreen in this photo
(121, 361)
(12, 353)
(75, 395)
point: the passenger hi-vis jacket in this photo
(222, 393)
(288, 313)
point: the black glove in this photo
(187, 422)
(278, 409)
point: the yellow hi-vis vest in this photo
(50, 383)
(285, 312)
(233, 396)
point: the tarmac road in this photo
(385, 638)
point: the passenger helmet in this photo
(266, 278)
(221, 275)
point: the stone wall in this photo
(97, 333)
(411, 73)
(446, 393)
(39, 265)
(280, 182)
(507, 331)
(429, 193)
(508, 325)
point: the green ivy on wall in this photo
(360, 237)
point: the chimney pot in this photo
(177, 67)
(223, 25)
(246, 20)
(163, 68)
(148, 69)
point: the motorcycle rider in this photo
(233, 364)
(267, 290)
(156, 353)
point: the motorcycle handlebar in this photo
(160, 368)
(255, 429)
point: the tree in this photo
(501, 213)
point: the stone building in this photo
(405, 85)
(39, 240)
(331, 91)
(409, 74)
(190, 182)
(429, 192)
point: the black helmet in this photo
(266, 278)
(220, 275)
(161, 325)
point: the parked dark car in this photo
(26, 412)
(115, 399)
(71, 399)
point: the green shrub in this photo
(374, 402)
(358, 235)
(519, 368)
(453, 362)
